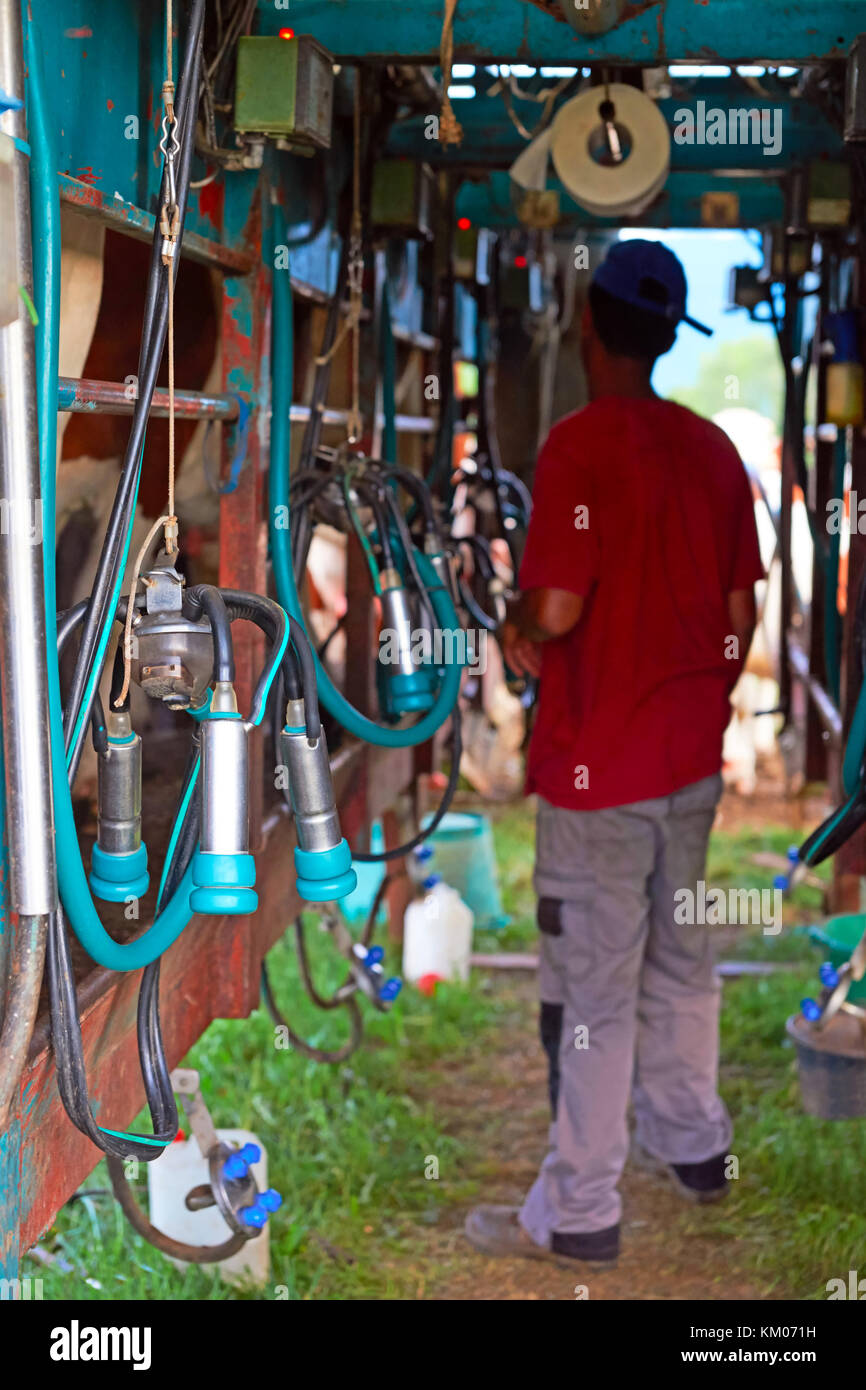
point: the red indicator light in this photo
(464, 223)
(521, 262)
(287, 33)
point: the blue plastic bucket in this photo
(465, 857)
(356, 907)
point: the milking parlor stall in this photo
(291, 297)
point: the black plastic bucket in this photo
(832, 1067)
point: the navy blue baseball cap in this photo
(647, 275)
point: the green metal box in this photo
(829, 199)
(285, 88)
(401, 201)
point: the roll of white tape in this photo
(530, 168)
(609, 189)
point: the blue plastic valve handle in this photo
(255, 1215)
(793, 854)
(270, 1199)
(389, 991)
(374, 955)
(829, 975)
(251, 1152)
(235, 1167)
(782, 882)
(811, 1010)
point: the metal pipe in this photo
(22, 1001)
(827, 711)
(84, 397)
(23, 664)
(406, 424)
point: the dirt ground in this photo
(498, 1107)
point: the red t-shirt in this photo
(645, 509)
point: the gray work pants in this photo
(630, 1003)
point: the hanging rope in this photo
(130, 609)
(508, 87)
(450, 129)
(169, 225)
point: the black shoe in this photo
(600, 1248)
(704, 1182)
(700, 1182)
(496, 1230)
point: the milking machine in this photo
(174, 642)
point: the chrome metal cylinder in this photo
(398, 627)
(311, 790)
(225, 817)
(118, 823)
(23, 668)
(443, 565)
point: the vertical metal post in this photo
(820, 763)
(23, 674)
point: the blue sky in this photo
(707, 257)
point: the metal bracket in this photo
(186, 1083)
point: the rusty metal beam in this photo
(652, 32)
(125, 217)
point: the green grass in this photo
(347, 1145)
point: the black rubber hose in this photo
(290, 669)
(65, 1023)
(369, 495)
(205, 598)
(840, 835)
(387, 856)
(419, 491)
(154, 1068)
(315, 1054)
(175, 1249)
(66, 624)
(271, 612)
(409, 551)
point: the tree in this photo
(741, 372)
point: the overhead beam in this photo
(682, 204)
(490, 137)
(660, 31)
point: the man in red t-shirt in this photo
(637, 610)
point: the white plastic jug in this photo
(180, 1168)
(437, 934)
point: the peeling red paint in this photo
(86, 175)
(211, 200)
(110, 104)
(84, 33)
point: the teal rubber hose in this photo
(855, 748)
(74, 887)
(281, 550)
